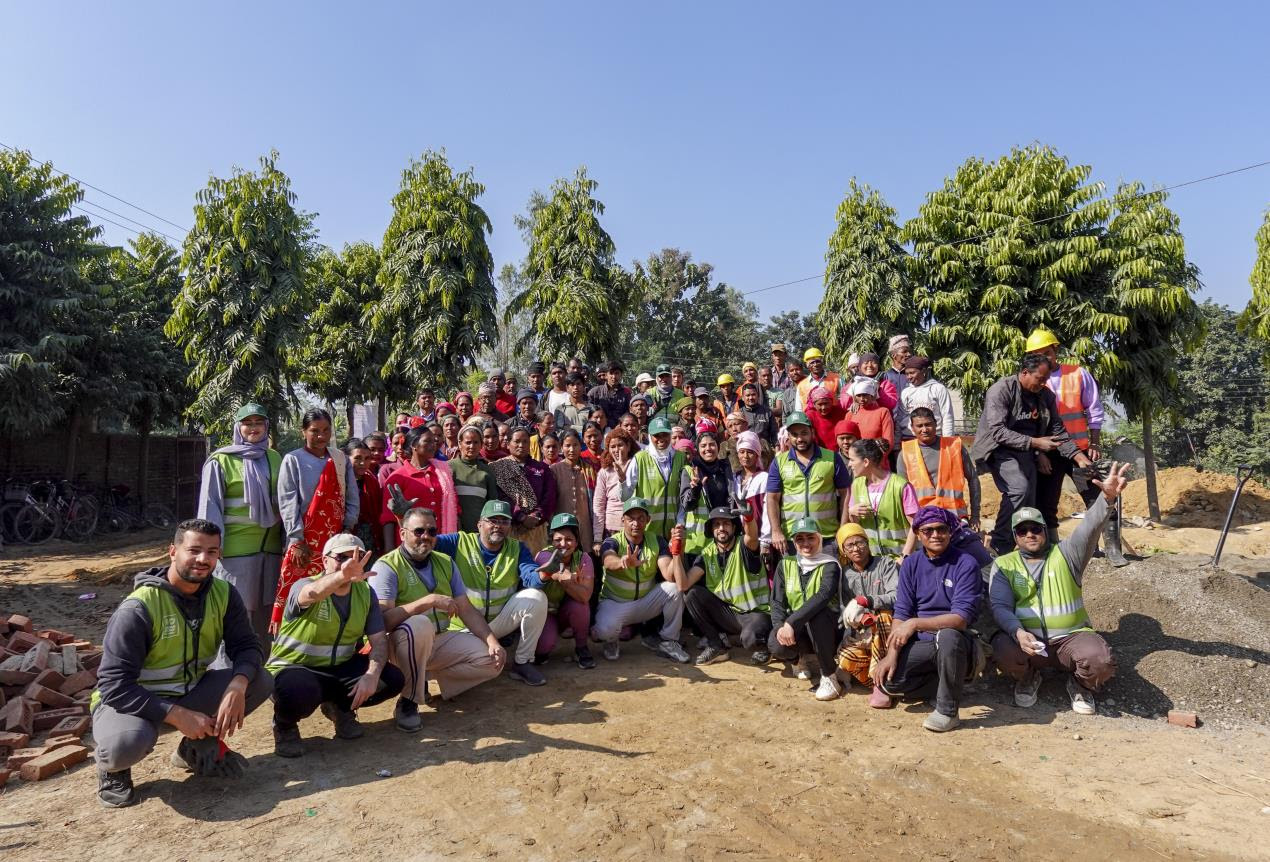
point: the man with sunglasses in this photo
(1037, 601)
(420, 591)
(938, 597)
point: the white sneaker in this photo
(1025, 689)
(674, 651)
(829, 688)
(1082, 699)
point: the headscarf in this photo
(509, 475)
(684, 444)
(748, 440)
(846, 426)
(448, 406)
(817, 393)
(487, 388)
(921, 363)
(935, 515)
(706, 424)
(257, 488)
(864, 386)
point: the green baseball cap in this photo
(251, 408)
(660, 425)
(663, 369)
(805, 525)
(1027, 515)
(496, 509)
(797, 418)
(635, 503)
(564, 519)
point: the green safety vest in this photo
(661, 495)
(410, 587)
(742, 590)
(887, 528)
(554, 589)
(242, 536)
(631, 585)
(810, 494)
(318, 637)
(175, 662)
(488, 588)
(1057, 608)
(663, 409)
(796, 590)
(696, 537)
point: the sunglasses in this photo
(341, 558)
(938, 530)
(419, 532)
(1029, 530)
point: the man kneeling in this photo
(154, 668)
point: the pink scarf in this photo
(449, 499)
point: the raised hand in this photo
(1115, 482)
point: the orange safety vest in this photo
(1070, 408)
(949, 492)
(831, 382)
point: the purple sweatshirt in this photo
(950, 583)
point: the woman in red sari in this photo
(317, 498)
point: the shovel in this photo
(1242, 474)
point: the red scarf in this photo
(323, 519)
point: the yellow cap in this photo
(1040, 339)
(812, 353)
(724, 378)
(747, 366)
(846, 531)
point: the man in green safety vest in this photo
(725, 588)
(503, 583)
(154, 669)
(316, 660)
(656, 474)
(641, 581)
(239, 494)
(664, 394)
(806, 482)
(1037, 601)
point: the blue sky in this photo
(727, 129)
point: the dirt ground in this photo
(642, 758)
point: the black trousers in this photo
(714, 617)
(1050, 488)
(818, 635)
(947, 657)
(299, 691)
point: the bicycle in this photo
(54, 508)
(120, 512)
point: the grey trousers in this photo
(1014, 473)
(256, 579)
(123, 740)
(947, 657)
(664, 599)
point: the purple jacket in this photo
(950, 583)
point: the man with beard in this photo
(808, 481)
(665, 393)
(158, 647)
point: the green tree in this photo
(438, 306)
(44, 249)
(514, 348)
(1256, 317)
(796, 330)
(574, 294)
(868, 296)
(240, 315)
(1005, 247)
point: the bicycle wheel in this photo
(36, 524)
(158, 515)
(81, 519)
(9, 512)
(112, 520)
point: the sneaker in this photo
(526, 673)
(1025, 689)
(760, 656)
(829, 688)
(651, 641)
(586, 661)
(346, 724)
(407, 716)
(879, 699)
(1082, 698)
(611, 650)
(801, 671)
(940, 723)
(673, 650)
(710, 655)
(541, 658)
(196, 755)
(115, 789)
(286, 741)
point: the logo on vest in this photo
(169, 627)
(324, 611)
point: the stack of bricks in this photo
(46, 680)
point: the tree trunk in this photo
(143, 467)
(1148, 449)
(72, 441)
(380, 418)
(348, 414)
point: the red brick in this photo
(53, 763)
(4, 776)
(19, 623)
(20, 716)
(72, 726)
(17, 677)
(81, 645)
(14, 740)
(21, 642)
(77, 682)
(37, 657)
(1183, 719)
(48, 696)
(49, 679)
(90, 659)
(49, 718)
(55, 636)
(26, 755)
(54, 741)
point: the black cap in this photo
(721, 512)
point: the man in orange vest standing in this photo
(1080, 408)
(817, 375)
(942, 474)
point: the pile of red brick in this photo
(46, 679)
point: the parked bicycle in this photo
(121, 512)
(40, 510)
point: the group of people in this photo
(827, 520)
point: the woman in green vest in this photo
(881, 501)
(569, 583)
(710, 487)
(805, 608)
(239, 494)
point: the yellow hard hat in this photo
(812, 353)
(1040, 339)
(724, 378)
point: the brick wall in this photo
(114, 459)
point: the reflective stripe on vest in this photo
(1055, 610)
(887, 528)
(695, 522)
(661, 493)
(317, 636)
(797, 592)
(810, 495)
(949, 491)
(243, 536)
(630, 585)
(744, 591)
(1070, 408)
(488, 587)
(411, 587)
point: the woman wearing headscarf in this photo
(239, 494)
(867, 596)
(530, 488)
(825, 413)
(317, 498)
(887, 395)
(805, 608)
(711, 486)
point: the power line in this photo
(103, 218)
(147, 227)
